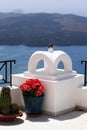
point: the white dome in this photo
(51, 61)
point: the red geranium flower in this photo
(32, 87)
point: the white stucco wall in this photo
(82, 97)
(63, 88)
(60, 96)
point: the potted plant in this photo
(8, 110)
(33, 94)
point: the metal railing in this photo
(6, 68)
(85, 71)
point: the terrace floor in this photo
(75, 120)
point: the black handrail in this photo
(85, 70)
(4, 66)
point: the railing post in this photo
(6, 71)
(14, 61)
(85, 67)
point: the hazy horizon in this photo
(77, 7)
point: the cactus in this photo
(5, 100)
(14, 108)
(6, 106)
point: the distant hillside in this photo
(40, 29)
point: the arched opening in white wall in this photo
(60, 65)
(40, 64)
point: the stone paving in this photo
(75, 120)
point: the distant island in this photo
(40, 29)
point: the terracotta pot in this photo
(6, 118)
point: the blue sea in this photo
(22, 53)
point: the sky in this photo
(78, 7)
